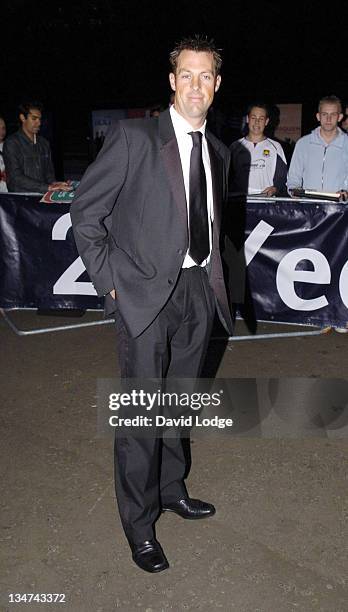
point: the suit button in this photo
(180, 251)
(170, 281)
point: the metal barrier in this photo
(69, 327)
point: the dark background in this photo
(78, 56)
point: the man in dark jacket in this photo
(159, 185)
(27, 155)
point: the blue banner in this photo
(39, 265)
(285, 260)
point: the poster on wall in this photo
(101, 122)
(103, 119)
(290, 119)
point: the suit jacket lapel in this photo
(172, 163)
(217, 176)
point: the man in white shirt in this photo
(258, 163)
(159, 185)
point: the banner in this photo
(285, 260)
(39, 264)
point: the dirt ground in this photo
(278, 541)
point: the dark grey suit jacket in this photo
(129, 218)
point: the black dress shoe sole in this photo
(189, 518)
(155, 570)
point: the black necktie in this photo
(199, 247)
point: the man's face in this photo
(328, 116)
(31, 124)
(257, 121)
(194, 84)
(2, 130)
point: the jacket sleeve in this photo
(50, 174)
(239, 169)
(16, 179)
(94, 201)
(296, 170)
(281, 169)
(227, 174)
(345, 163)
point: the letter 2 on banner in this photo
(67, 283)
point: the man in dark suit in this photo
(146, 221)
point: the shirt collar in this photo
(182, 125)
(26, 138)
(339, 133)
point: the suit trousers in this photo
(150, 472)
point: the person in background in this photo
(320, 159)
(257, 160)
(287, 144)
(344, 122)
(27, 155)
(155, 111)
(3, 187)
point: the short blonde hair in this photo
(330, 100)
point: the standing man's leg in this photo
(137, 459)
(188, 350)
(147, 472)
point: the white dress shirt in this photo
(185, 144)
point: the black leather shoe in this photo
(190, 508)
(149, 556)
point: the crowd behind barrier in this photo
(285, 259)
